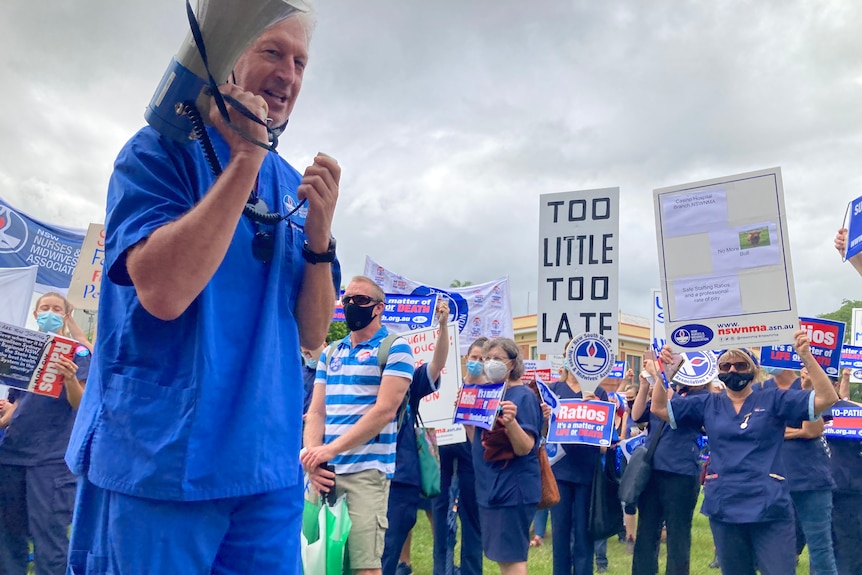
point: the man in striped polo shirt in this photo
(351, 423)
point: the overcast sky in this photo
(450, 118)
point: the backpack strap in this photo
(382, 358)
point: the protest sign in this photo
(87, 278)
(656, 331)
(479, 310)
(851, 357)
(25, 241)
(854, 229)
(590, 359)
(584, 422)
(697, 368)
(537, 369)
(28, 359)
(724, 262)
(825, 338)
(629, 445)
(478, 404)
(437, 408)
(548, 397)
(619, 370)
(578, 267)
(846, 422)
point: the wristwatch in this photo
(326, 257)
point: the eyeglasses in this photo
(739, 365)
(360, 300)
(503, 359)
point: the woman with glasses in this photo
(509, 487)
(746, 496)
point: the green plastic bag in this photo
(429, 459)
(324, 537)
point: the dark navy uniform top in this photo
(746, 481)
(579, 462)
(805, 460)
(40, 427)
(678, 451)
(406, 452)
(846, 459)
(308, 375)
(515, 481)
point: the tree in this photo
(459, 283)
(845, 314)
(337, 331)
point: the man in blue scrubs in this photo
(187, 439)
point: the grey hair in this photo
(513, 352)
(308, 19)
(378, 291)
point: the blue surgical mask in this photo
(474, 368)
(49, 321)
(311, 363)
(773, 371)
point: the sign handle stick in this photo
(658, 361)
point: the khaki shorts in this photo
(367, 502)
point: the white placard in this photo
(656, 331)
(724, 262)
(438, 408)
(578, 267)
(87, 278)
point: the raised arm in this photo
(824, 394)
(841, 246)
(441, 346)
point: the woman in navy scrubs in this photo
(508, 491)
(671, 493)
(809, 478)
(746, 496)
(846, 466)
(37, 490)
(573, 545)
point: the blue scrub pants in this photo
(814, 511)
(35, 500)
(570, 535)
(846, 527)
(403, 506)
(771, 544)
(457, 460)
(670, 499)
(125, 535)
(540, 522)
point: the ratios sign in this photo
(585, 422)
(825, 336)
(578, 267)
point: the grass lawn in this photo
(620, 561)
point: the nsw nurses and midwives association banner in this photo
(25, 241)
(479, 310)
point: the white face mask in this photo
(496, 370)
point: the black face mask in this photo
(631, 403)
(735, 381)
(358, 317)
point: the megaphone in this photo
(227, 28)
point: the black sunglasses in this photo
(739, 365)
(361, 300)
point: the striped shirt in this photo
(352, 378)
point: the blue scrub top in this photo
(678, 451)
(579, 463)
(40, 427)
(208, 405)
(406, 452)
(746, 479)
(805, 460)
(516, 481)
(846, 459)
